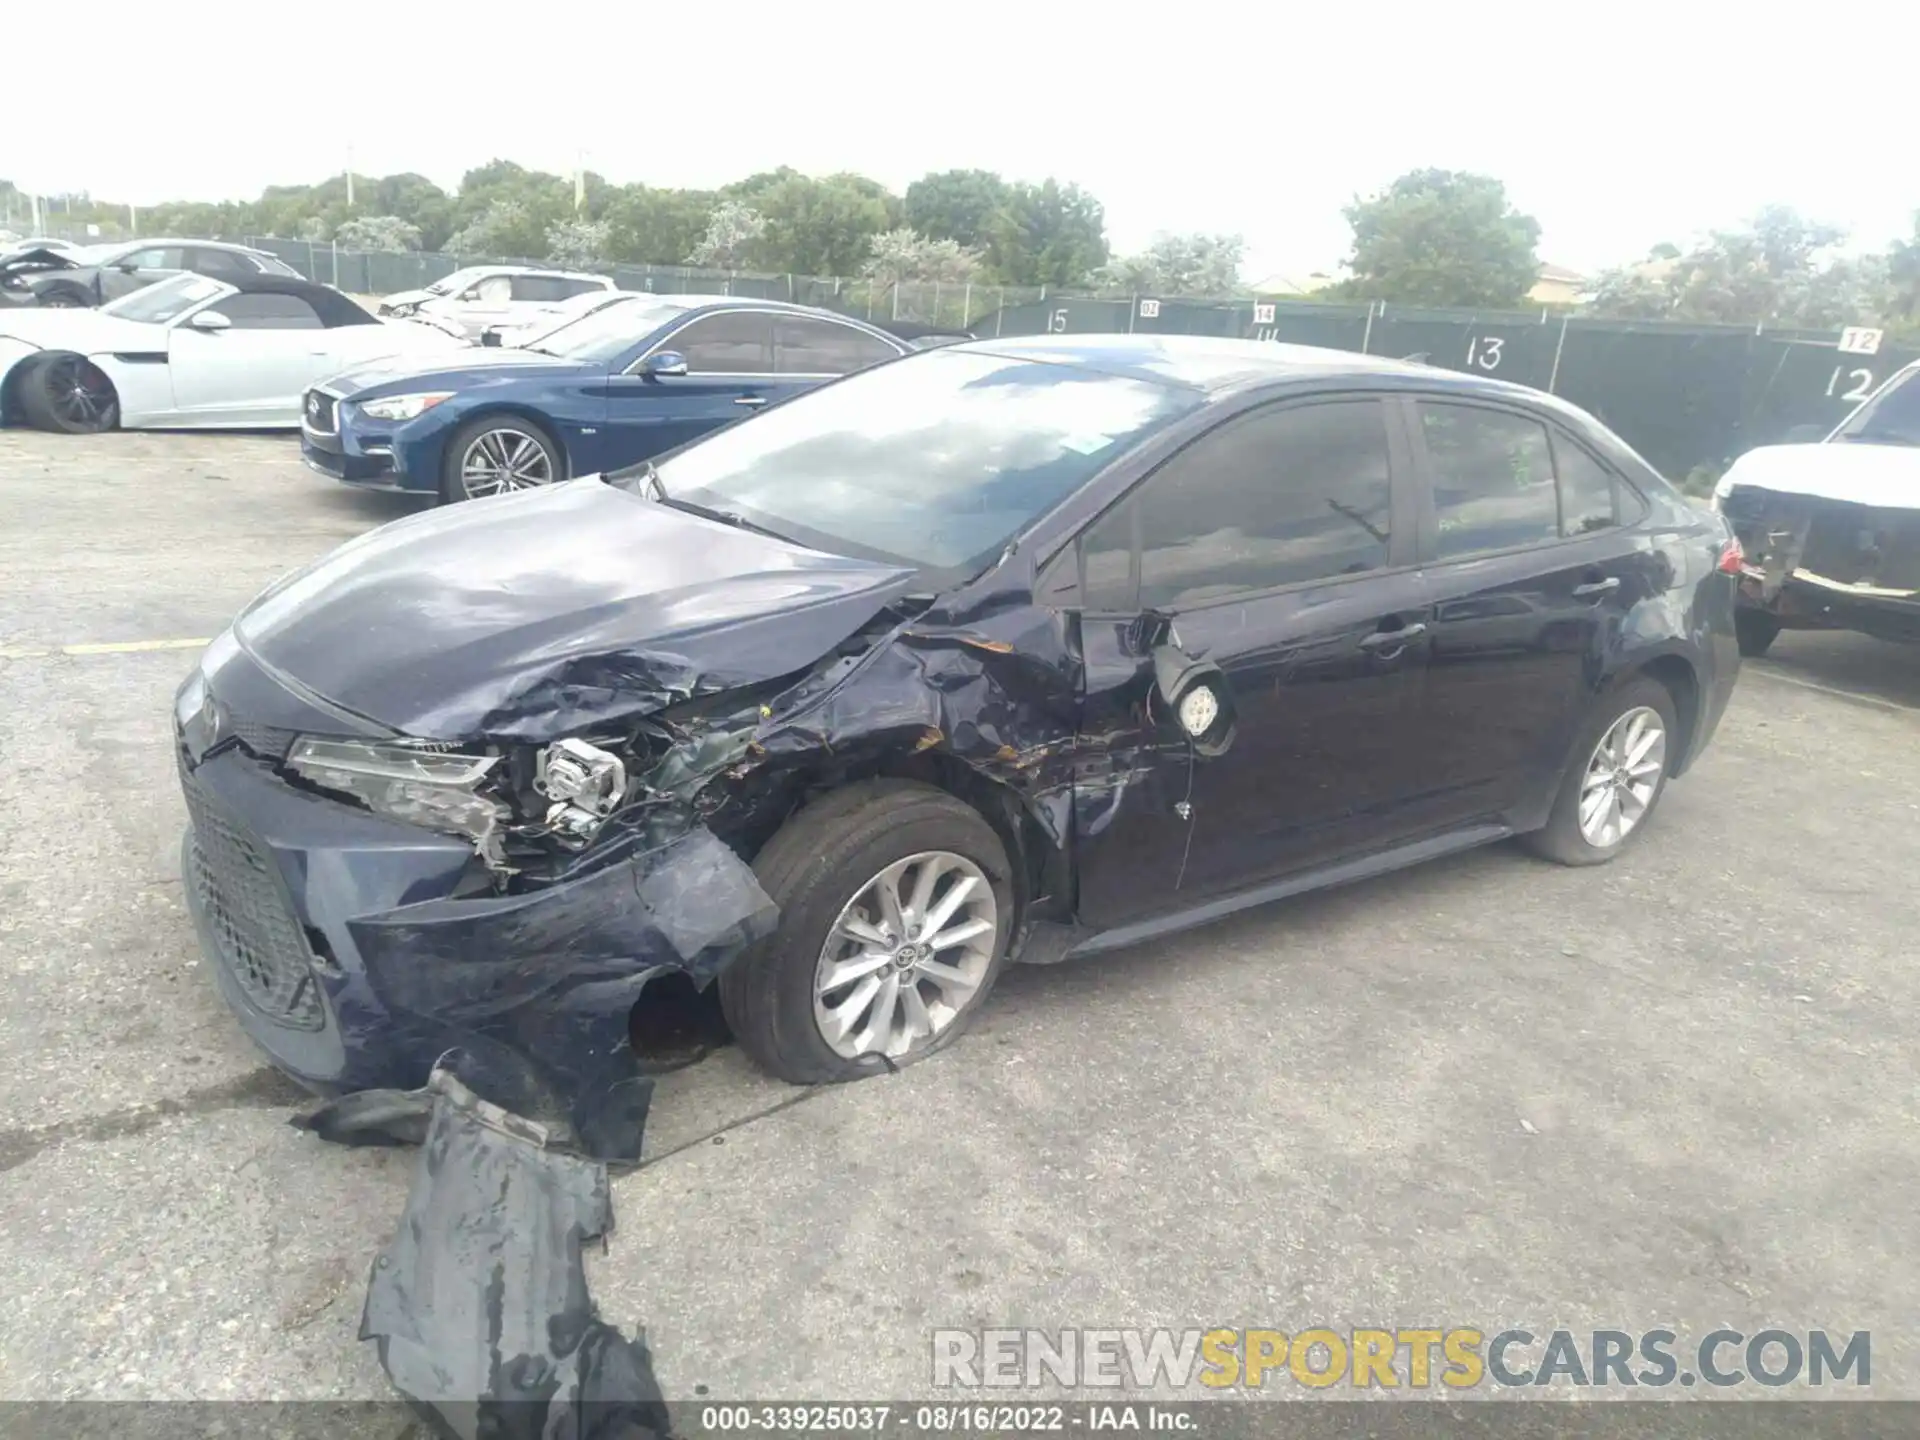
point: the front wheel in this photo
(896, 907)
(69, 395)
(497, 454)
(1617, 775)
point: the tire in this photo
(816, 869)
(1756, 631)
(518, 442)
(1563, 838)
(63, 297)
(69, 395)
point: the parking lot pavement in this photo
(1677, 1091)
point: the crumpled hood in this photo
(461, 364)
(38, 260)
(406, 297)
(537, 615)
(1884, 476)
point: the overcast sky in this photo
(1617, 125)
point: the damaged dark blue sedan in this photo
(1010, 649)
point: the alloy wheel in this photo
(1621, 777)
(906, 956)
(78, 392)
(502, 460)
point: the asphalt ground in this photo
(1678, 1091)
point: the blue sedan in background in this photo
(627, 382)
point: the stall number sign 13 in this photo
(1483, 352)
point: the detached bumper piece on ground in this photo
(479, 1304)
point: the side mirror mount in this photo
(662, 363)
(212, 321)
(126, 267)
(1195, 693)
(490, 337)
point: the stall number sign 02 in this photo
(1149, 309)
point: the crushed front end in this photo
(371, 903)
(1815, 561)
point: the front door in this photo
(255, 371)
(141, 269)
(1277, 547)
(1531, 575)
(730, 375)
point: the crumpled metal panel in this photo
(479, 1306)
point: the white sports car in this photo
(192, 353)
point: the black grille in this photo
(318, 412)
(254, 929)
(262, 740)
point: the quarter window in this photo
(740, 343)
(805, 346)
(1586, 490)
(1281, 497)
(1492, 479)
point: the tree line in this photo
(1434, 238)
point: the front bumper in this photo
(1815, 604)
(335, 937)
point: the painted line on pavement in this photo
(108, 647)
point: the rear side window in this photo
(805, 346)
(209, 261)
(269, 312)
(1280, 497)
(1492, 479)
(740, 343)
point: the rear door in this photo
(730, 374)
(808, 349)
(1279, 547)
(255, 371)
(1532, 569)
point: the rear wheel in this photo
(1617, 774)
(1756, 630)
(896, 906)
(69, 394)
(497, 454)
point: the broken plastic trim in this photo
(478, 1306)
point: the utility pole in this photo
(349, 177)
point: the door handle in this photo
(1394, 639)
(1597, 587)
(752, 402)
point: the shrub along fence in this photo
(1688, 397)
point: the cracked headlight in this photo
(404, 407)
(430, 788)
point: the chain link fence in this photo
(1689, 397)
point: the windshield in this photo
(168, 300)
(604, 333)
(937, 459)
(1890, 418)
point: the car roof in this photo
(143, 241)
(1201, 362)
(334, 308)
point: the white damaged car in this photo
(1831, 531)
(192, 353)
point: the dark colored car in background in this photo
(626, 382)
(100, 273)
(1010, 649)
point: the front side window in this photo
(269, 312)
(170, 257)
(935, 461)
(1492, 479)
(1281, 497)
(740, 343)
(805, 346)
(494, 290)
